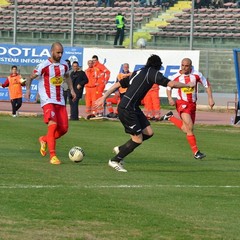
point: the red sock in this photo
(176, 121)
(193, 143)
(44, 138)
(51, 141)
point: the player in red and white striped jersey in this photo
(186, 102)
(51, 74)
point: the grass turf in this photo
(166, 194)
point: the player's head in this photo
(56, 52)
(154, 61)
(186, 66)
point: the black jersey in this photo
(138, 85)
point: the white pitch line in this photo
(22, 186)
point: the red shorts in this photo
(186, 107)
(56, 113)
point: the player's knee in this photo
(63, 130)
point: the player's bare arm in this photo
(70, 86)
(28, 85)
(210, 97)
(175, 84)
(169, 96)
(101, 100)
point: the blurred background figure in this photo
(119, 93)
(14, 84)
(91, 89)
(66, 91)
(152, 103)
(79, 79)
(102, 79)
(120, 25)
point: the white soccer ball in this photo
(76, 154)
(141, 43)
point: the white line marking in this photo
(21, 186)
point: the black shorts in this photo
(133, 121)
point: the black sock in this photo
(125, 149)
(146, 137)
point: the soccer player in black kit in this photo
(129, 112)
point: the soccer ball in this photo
(141, 43)
(76, 154)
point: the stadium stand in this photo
(48, 20)
(45, 21)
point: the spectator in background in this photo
(124, 73)
(103, 77)
(108, 3)
(120, 25)
(150, 3)
(14, 84)
(152, 103)
(66, 91)
(79, 79)
(91, 89)
(159, 3)
(142, 3)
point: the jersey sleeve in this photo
(38, 69)
(203, 80)
(161, 80)
(6, 83)
(125, 82)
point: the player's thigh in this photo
(133, 121)
(62, 116)
(49, 113)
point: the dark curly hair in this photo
(154, 61)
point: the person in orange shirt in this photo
(119, 93)
(103, 77)
(152, 103)
(91, 89)
(14, 84)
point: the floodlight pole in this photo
(72, 23)
(131, 25)
(15, 23)
(192, 25)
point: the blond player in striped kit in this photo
(51, 74)
(186, 103)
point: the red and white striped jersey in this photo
(189, 94)
(51, 77)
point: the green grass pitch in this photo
(166, 194)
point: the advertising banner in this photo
(114, 58)
(22, 55)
